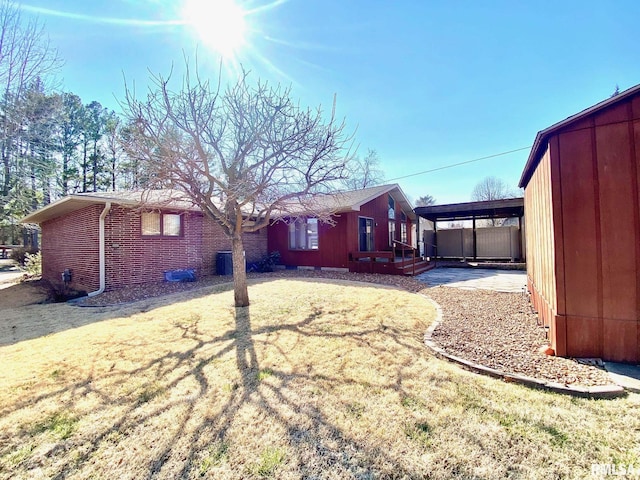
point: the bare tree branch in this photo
(364, 172)
(492, 188)
(242, 154)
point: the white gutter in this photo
(101, 250)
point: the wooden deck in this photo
(388, 263)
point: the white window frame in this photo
(392, 232)
(304, 234)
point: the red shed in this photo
(371, 231)
(582, 208)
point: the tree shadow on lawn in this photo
(26, 315)
(201, 423)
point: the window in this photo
(303, 234)
(150, 223)
(365, 229)
(392, 208)
(161, 224)
(392, 232)
(403, 228)
(171, 225)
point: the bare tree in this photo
(364, 172)
(492, 188)
(425, 201)
(616, 92)
(112, 136)
(25, 58)
(240, 153)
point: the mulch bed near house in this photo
(501, 331)
(494, 329)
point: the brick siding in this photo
(71, 241)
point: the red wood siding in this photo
(540, 243)
(71, 241)
(378, 209)
(597, 231)
(337, 241)
(334, 242)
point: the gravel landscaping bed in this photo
(500, 331)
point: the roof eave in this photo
(373, 196)
(42, 214)
(389, 188)
(543, 135)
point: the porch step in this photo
(384, 263)
(421, 267)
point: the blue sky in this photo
(425, 83)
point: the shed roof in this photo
(539, 145)
(504, 208)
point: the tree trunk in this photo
(113, 173)
(6, 161)
(240, 291)
(65, 174)
(95, 166)
(84, 167)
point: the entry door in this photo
(365, 228)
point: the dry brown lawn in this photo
(317, 379)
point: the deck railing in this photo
(404, 247)
(401, 259)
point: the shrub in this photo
(19, 254)
(33, 264)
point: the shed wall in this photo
(601, 233)
(583, 228)
(539, 236)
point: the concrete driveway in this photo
(9, 273)
(514, 281)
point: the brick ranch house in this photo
(113, 237)
(111, 240)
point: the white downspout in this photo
(101, 250)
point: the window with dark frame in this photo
(403, 228)
(303, 234)
(392, 208)
(156, 224)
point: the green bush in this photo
(33, 264)
(20, 254)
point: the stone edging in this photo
(611, 391)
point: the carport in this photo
(473, 211)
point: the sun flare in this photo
(220, 24)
